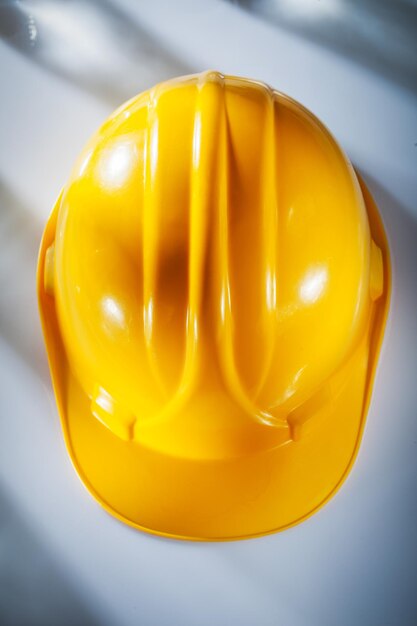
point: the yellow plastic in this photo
(213, 284)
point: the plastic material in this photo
(213, 285)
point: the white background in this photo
(63, 560)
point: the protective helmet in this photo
(213, 285)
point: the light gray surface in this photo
(63, 560)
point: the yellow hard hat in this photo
(213, 285)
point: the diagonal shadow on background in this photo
(20, 236)
(33, 588)
(378, 34)
(91, 43)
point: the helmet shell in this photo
(213, 271)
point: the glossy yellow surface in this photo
(213, 285)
